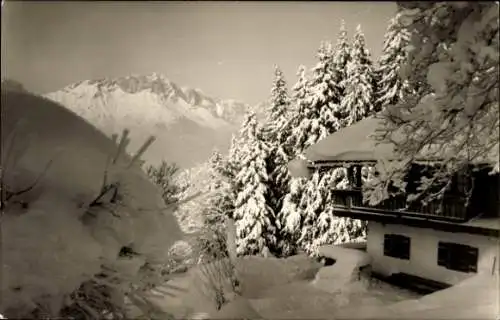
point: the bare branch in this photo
(121, 145)
(141, 150)
(10, 195)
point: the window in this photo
(457, 257)
(397, 246)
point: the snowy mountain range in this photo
(187, 123)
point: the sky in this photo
(225, 48)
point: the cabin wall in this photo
(423, 260)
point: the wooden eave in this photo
(426, 222)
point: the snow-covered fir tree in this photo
(335, 230)
(299, 111)
(279, 103)
(233, 157)
(316, 100)
(312, 201)
(254, 218)
(358, 100)
(290, 217)
(354, 69)
(341, 56)
(391, 88)
(221, 185)
(212, 241)
(276, 134)
(319, 225)
(325, 93)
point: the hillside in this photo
(187, 123)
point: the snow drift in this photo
(53, 238)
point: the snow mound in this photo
(56, 231)
(295, 300)
(257, 274)
(239, 308)
(474, 298)
(346, 269)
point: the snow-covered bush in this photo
(181, 192)
(83, 229)
(220, 281)
(164, 176)
(194, 197)
(210, 241)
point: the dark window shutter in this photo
(457, 257)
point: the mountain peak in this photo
(154, 82)
(187, 122)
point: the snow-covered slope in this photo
(187, 123)
(53, 239)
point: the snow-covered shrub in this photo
(211, 244)
(219, 281)
(90, 232)
(210, 240)
(194, 197)
(164, 176)
(182, 256)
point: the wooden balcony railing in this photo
(452, 208)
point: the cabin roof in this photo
(488, 223)
(356, 143)
(352, 143)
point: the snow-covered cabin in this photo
(419, 242)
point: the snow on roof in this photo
(489, 223)
(351, 143)
(357, 143)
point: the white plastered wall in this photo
(423, 252)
